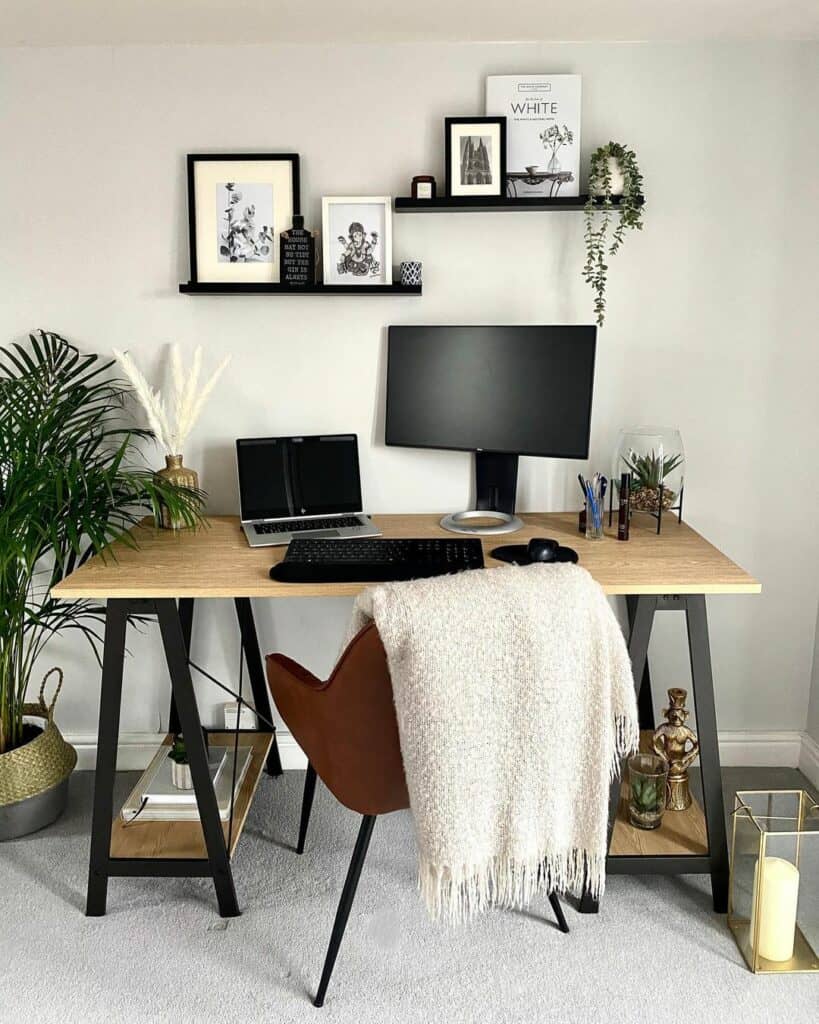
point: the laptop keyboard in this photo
(295, 525)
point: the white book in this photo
(542, 131)
(164, 802)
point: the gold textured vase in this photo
(180, 475)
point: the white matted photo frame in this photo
(238, 206)
(357, 233)
(475, 156)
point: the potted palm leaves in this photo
(71, 483)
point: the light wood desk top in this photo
(215, 561)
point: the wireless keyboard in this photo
(311, 560)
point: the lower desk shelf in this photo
(184, 839)
(682, 833)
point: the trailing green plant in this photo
(72, 481)
(178, 751)
(649, 470)
(601, 209)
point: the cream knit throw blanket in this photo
(515, 704)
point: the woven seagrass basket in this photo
(42, 762)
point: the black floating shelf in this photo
(482, 204)
(247, 288)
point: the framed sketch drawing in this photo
(475, 156)
(357, 232)
(238, 205)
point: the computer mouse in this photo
(542, 549)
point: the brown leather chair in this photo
(348, 730)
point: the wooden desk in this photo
(670, 571)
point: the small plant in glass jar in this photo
(655, 458)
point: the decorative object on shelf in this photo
(648, 777)
(423, 187)
(623, 507)
(601, 208)
(411, 271)
(298, 255)
(357, 234)
(70, 486)
(655, 458)
(475, 155)
(238, 205)
(678, 746)
(171, 431)
(180, 766)
(543, 131)
(773, 895)
(594, 494)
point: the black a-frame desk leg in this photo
(102, 865)
(258, 683)
(641, 616)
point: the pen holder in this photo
(594, 520)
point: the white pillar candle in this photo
(778, 899)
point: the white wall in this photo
(711, 312)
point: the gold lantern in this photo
(773, 901)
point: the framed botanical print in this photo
(238, 205)
(357, 232)
(475, 156)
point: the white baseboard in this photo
(737, 749)
(137, 748)
(809, 760)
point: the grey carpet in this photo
(162, 954)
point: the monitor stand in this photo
(496, 485)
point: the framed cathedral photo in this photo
(475, 156)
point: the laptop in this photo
(300, 487)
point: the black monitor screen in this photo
(525, 390)
(282, 477)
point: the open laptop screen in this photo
(286, 477)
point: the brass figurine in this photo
(671, 742)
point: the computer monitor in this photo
(498, 391)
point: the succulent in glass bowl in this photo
(655, 458)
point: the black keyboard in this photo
(310, 560)
(295, 525)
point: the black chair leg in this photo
(345, 904)
(556, 907)
(306, 805)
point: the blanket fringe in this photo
(460, 893)
(626, 742)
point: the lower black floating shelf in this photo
(247, 288)
(482, 204)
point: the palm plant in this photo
(71, 483)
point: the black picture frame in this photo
(194, 158)
(498, 122)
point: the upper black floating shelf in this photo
(460, 204)
(260, 288)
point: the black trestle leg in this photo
(558, 909)
(345, 903)
(306, 805)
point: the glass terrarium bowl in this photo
(655, 457)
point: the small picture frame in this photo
(238, 206)
(357, 239)
(475, 156)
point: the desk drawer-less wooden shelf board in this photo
(215, 561)
(681, 832)
(184, 839)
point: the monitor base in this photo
(458, 522)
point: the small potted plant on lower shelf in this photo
(180, 767)
(648, 778)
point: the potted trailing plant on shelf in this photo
(180, 766)
(70, 485)
(615, 193)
